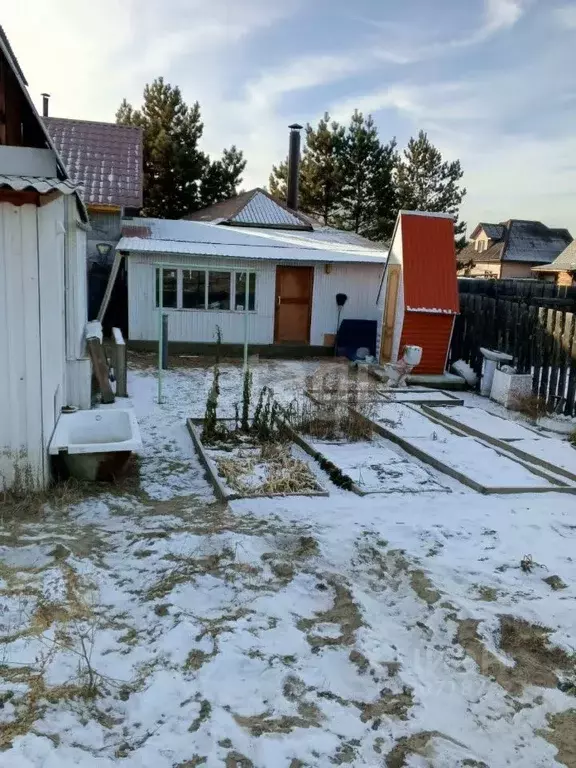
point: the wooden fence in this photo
(542, 341)
(538, 292)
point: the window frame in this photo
(232, 271)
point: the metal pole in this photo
(165, 342)
(246, 322)
(160, 329)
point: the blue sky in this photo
(492, 81)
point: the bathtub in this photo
(96, 444)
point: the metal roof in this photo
(429, 264)
(533, 241)
(104, 159)
(192, 237)
(41, 184)
(256, 208)
(566, 261)
(493, 231)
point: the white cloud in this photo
(566, 16)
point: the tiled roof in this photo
(565, 262)
(253, 208)
(104, 159)
(494, 253)
(429, 263)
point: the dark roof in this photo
(493, 231)
(534, 241)
(104, 159)
(521, 240)
(255, 208)
(565, 262)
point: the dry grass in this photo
(533, 406)
(330, 419)
(282, 473)
(65, 493)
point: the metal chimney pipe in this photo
(45, 97)
(293, 166)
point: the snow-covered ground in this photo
(165, 630)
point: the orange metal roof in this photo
(429, 264)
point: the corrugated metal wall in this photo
(432, 332)
(32, 355)
(192, 324)
(359, 281)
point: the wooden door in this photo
(293, 305)
(389, 312)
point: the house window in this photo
(206, 289)
(219, 290)
(193, 289)
(169, 288)
(240, 299)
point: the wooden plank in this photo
(564, 360)
(570, 409)
(100, 367)
(543, 320)
(120, 367)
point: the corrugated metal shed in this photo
(429, 264)
(37, 183)
(104, 159)
(191, 237)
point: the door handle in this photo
(278, 301)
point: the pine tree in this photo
(222, 177)
(427, 183)
(369, 192)
(321, 171)
(175, 169)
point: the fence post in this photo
(120, 367)
(165, 342)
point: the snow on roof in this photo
(166, 236)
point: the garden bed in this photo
(244, 467)
(346, 446)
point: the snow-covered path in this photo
(167, 630)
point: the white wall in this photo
(198, 325)
(359, 281)
(21, 446)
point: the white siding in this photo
(360, 282)
(52, 315)
(32, 340)
(21, 448)
(197, 325)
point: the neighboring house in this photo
(512, 248)
(289, 280)
(419, 293)
(105, 161)
(255, 208)
(43, 225)
(562, 270)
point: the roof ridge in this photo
(92, 122)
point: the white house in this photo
(293, 278)
(43, 226)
